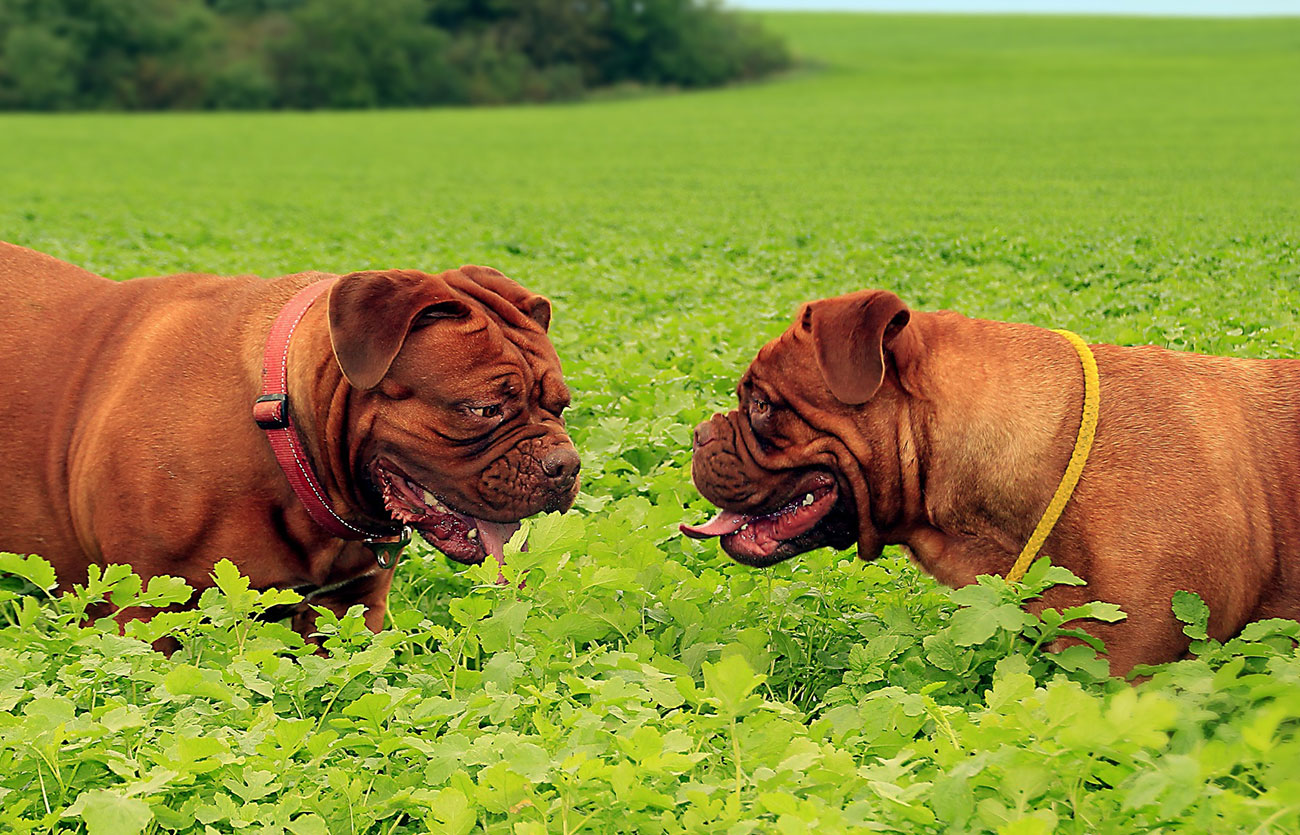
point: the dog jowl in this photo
(872, 423)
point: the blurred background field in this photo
(1135, 180)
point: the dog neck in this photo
(992, 433)
(324, 405)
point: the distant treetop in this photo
(253, 54)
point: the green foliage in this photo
(598, 695)
(362, 53)
(1132, 180)
(953, 654)
(154, 54)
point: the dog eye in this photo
(760, 408)
(485, 411)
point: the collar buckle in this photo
(271, 411)
(387, 551)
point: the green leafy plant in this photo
(566, 704)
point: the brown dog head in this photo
(455, 410)
(808, 458)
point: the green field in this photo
(1133, 180)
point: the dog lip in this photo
(834, 528)
(757, 539)
(464, 537)
(728, 521)
(763, 539)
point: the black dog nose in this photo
(561, 463)
(704, 433)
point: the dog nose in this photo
(561, 463)
(704, 433)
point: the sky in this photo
(1198, 8)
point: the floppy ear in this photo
(535, 307)
(538, 308)
(849, 335)
(371, 314)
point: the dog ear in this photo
(535, 307)
(850, 335)
(371, 314)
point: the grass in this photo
(1134, 180)
(1057, 170)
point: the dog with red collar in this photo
(297, 426)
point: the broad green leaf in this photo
(228, 578)
(529, 760)
(1083, 659)
(1094, 610)
(978, 622)
(664, 692)
(108, 812)
(373, 707)
(1012, 683)
(942, 652)
(308, 824)
(1042, 574)
(451, 813)
(731, 681)
(1192, 611)
(503, 627)
(33, 569)
(166, 591)
(188, 680)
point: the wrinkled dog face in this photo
(460, 430)
(792, 466)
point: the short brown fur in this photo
(1193, 482)
(128, 436)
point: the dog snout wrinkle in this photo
(717, 468)
(536, 475)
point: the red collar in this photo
(272, 413)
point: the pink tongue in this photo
(725, 522)
(495, 535)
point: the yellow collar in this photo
(1078, 458)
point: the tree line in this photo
(253, 54)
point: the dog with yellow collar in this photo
(974, 443)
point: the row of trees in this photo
(151, 54)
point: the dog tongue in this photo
(725, 522)
(495, 535)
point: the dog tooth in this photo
(473, 534)
(429, 499)
(808, 499)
